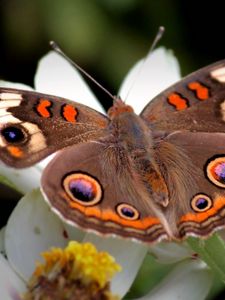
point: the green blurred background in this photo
(106, 37)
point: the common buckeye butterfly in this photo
(159, 175)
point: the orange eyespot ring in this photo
(83, 189)
(215, 171)
(127, 212)
(201, 203)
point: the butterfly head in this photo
(119, 107)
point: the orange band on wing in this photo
(177, 101)
(200, 217)
(109, 215)
(69, 113)
(15, 151)
(43, 108)
(202, 92)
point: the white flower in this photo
(188, 281)
(32, 227)
(11, 285)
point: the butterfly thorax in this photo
(128, 128)
(131, 131)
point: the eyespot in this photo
(201, 203)
(215, 171)
(13, 134)
(127, 212)
(83, 188)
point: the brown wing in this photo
(197, 202)
(33, 125)
(90, 186)
(196, 103)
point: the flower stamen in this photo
(77, 272)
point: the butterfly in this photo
(154, 176)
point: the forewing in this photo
(34, 125)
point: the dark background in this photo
(106, 37)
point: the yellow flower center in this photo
(79, 268)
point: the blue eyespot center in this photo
(201, 203)
(219, 171)
(82, 190)
(128, 212)
(13, 134)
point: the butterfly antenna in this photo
(157, 38)
(57, 49)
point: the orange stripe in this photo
(201, 91)
(92, 211)
(15, 151)
(42, 108)
(200, 217)
(69, 113)
(109, 215)
(177, 101)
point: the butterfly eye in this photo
(83, 189)
(13, 134)
(215, 171)
(201, 203)
(127, 211)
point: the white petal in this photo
(169, 253)
(14, 85)
(33, 228)
(24, 180)
(188, 281)
(149, 77)
(44, 162)
(128, 254)
(56, 76)
(11, 286)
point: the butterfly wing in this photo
(200, 209)
(33, 125)
(196, 103)
(89, 185)
(188, 122)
